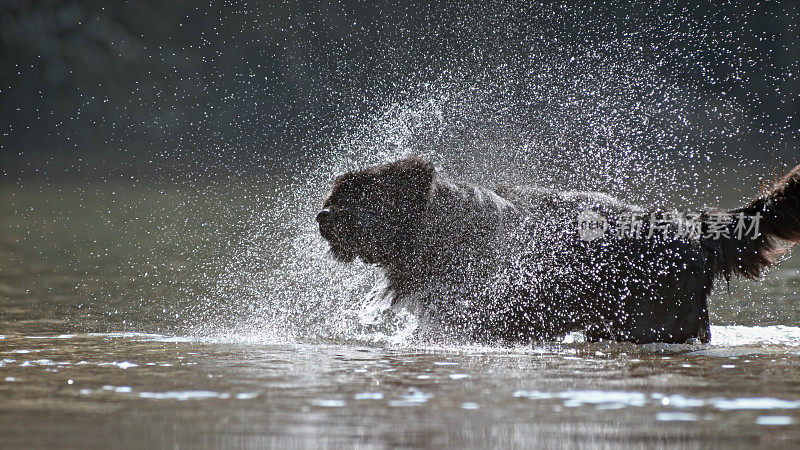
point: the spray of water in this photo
(593, 98)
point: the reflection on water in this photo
(136, 389)
(95, 353)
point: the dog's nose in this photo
(324, 216)
(325, 222)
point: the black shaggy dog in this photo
(523, 264)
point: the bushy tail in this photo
(774, 216)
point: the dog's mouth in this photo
(349, 234)
(341, 253)
(332, 230)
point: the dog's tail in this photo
(756, 234)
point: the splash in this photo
(558, 96)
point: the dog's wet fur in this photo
(508, 265)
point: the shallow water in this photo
(137, 390)
(99, 348)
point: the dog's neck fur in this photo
(441, 237)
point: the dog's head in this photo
(369, 213)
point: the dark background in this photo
(136, 88)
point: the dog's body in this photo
(513, 265)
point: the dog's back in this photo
(526, 263)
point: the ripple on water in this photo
(601, 399)
(775, 420)
(740, 335)
(122, 365)
(412, 397)
(328, 402)
(619, 399)
(670, 416)
(754, 403)
(120, 389)
(369, 396)
(60, 336)
(183, 395)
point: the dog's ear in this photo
(413, 178)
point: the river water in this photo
(104, 344)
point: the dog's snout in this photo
(324, 216)
(325, 223)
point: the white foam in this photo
(723, 336)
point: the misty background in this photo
(103, 88)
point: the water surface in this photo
(101, 347)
